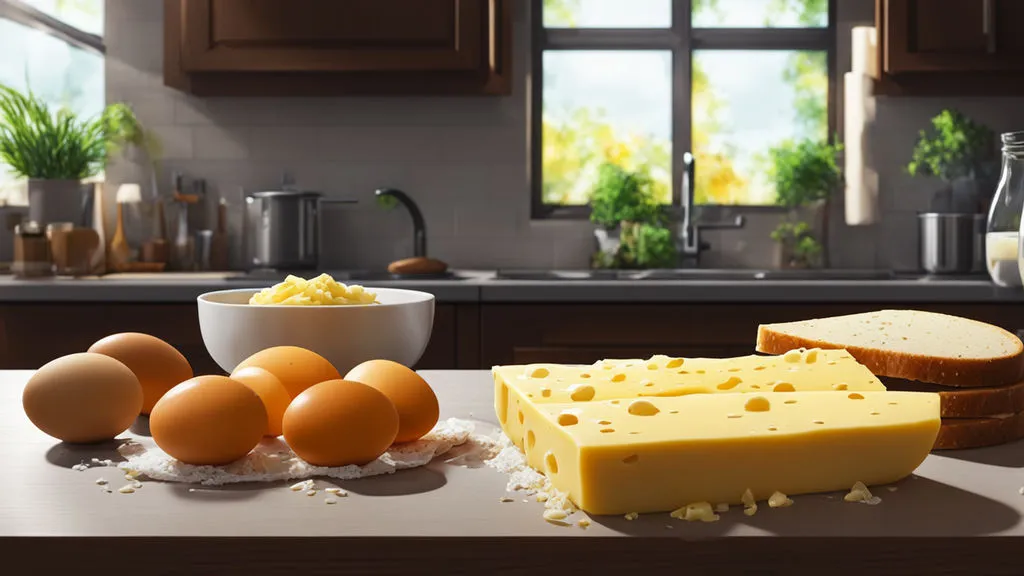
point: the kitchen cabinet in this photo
(33, 334)
(316, 48)
(950, 47)
(585, 333)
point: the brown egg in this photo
(83, 398)
(157, 365)
(296, 368)
(408, 391)
(337, 423)
(208, 420)
(270, 390)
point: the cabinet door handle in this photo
(988, 25)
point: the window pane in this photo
(604, 106)
(86, 15)
(745, 103)
(60, 74)
(760, 13)
(607, 14)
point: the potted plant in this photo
(631, 229)
(806, 175)
(958, 151)
(57, 150)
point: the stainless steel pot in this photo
(952, 243)
(282, 229)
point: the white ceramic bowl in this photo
(398, 328)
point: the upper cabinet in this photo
(319, 48)
(950, 47)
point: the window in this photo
(54, 48)
(638, 83)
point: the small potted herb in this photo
(806, 175)
(631, 229)
(57, 150)
(959, 152)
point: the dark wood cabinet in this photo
(950, 47)
(313, 47)
(33, 334)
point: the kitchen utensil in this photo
(155, 249)
(415, 266)
(10, 217)
(952, 243)
(184, 245)
(98, 265)
(203, 242)
(398, 328)
(219, 242)
(119, 253)
(283, 229)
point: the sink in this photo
(708, 274)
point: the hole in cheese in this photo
(521, 417)
(584, 375)
(545, 392)
(783, 387)
(683, 372)
(855, 396)
(840, 386)
(581, 392)
(674, 363)
(648, 383)
(755, 386)
(673, 411)
(642, 408)
(631, 459)
(607, 430)
(539, 373)
(618, 377)
(759, 368)
(892, 403)
(790, 402)
(615, 402)
(551, 463)
(567, 419)
(702, 371)
(772, 428)
(604, 422)
(634, 432)
(811, 356)
(875, 413)
(729, 384)
(531, 439)
(652, 366)
(817, 421)
(734, 416)
(757, 404)
(503, 403)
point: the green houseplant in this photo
(806, 175)
(959, 152)
(631, 226)
(56, 149)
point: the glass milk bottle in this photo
(1003, 234)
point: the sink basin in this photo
(709, 274)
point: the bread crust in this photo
(963, 433)
(960, 372)
(967, 402)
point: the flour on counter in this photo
(273, 461)
(510, 460)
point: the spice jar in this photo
(31, 251)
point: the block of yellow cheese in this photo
(663, 376)
(653, 435)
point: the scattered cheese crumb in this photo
(1021, 491)
(632, 516)
(892, 488)
(584, 522)
(101, 481)
(542, 497)
(191, 489)
(749, 504)
(304, 485)
(336, 492)
(505, 499)
(860, 493)
(554, 515)
(701, 511)
(126, 489)
(310, 492)
(721, 508)
(330, 501)
(779, 500)
(80, 467)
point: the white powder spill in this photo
(273, 461)
(511, 461)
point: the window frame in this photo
(681, 39)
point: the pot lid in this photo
(285, 194)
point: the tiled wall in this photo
(464, 160)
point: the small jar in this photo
(31, 251)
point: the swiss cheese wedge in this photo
(640, 436)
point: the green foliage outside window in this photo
(957, 147)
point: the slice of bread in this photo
(961, 433)
(967, 402)
(909, 344)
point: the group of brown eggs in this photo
(326, 419)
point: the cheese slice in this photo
(657, 454)
(633, 435)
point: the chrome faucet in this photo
(419, 227)
(688, 242)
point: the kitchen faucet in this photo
(688, 242)
(419, 233)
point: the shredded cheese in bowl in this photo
(320, 291)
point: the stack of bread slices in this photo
(976, 368)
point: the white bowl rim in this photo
(419, 296)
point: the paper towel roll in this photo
(861, 177)
(864, 54)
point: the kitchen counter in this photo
(960, 514)
(482, 286)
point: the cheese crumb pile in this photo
(510, 460)
(320, 291)
(273, 461)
